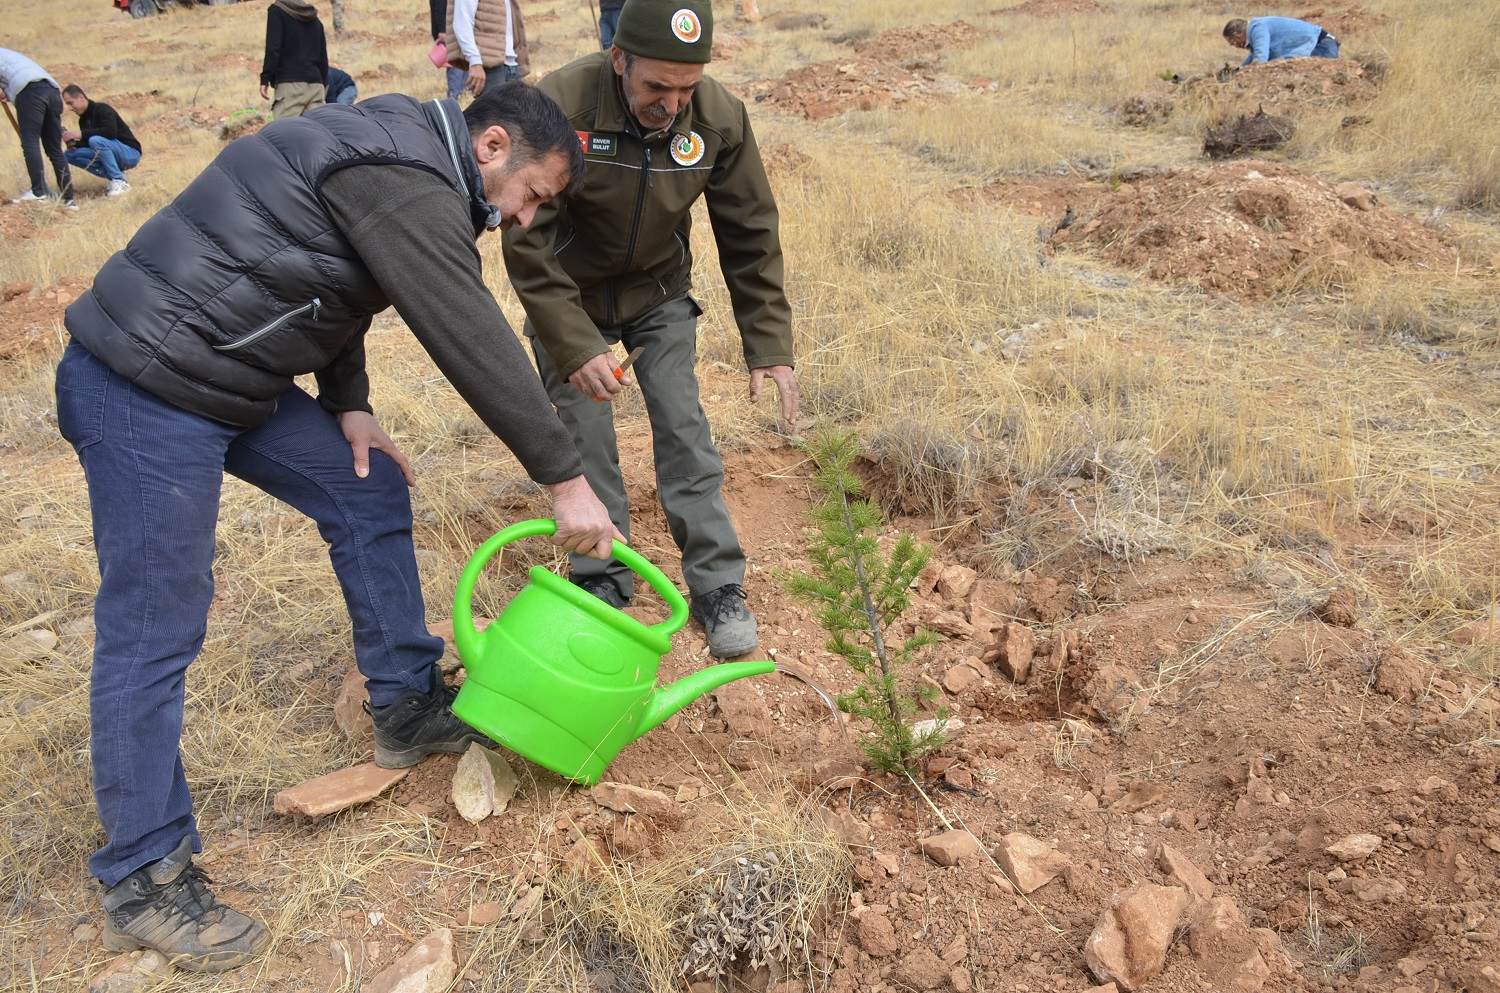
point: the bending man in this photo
(271, 264)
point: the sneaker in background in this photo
(166, 906)
(70, 205)
(415, 725)
(116, 187)
(28, 197)
(726, 621)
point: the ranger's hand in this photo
(363, 433)
(596, 377)
(583, 525)
(786, 386)
(265, 92)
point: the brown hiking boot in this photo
(165, 906)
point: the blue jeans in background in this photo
(492, 77)
(608, 21)
(1327, 47)
(154, 473)
(104, 157)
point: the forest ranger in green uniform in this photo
(614, 264)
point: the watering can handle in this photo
(463, 611)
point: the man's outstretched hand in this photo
(583, 525)
(786, 386)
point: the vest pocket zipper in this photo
(273, 326)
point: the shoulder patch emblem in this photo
(686, 27)
(596, 144)
(687, 149)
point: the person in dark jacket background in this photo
(341, 88)
(184, 351)
(102, 143)
(296, 63)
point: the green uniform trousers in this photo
(689, 472)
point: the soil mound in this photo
(1057, 8)
(1289, 87)
(1247, 228)
(891, 68)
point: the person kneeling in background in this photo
(103, 143)
(340, 88)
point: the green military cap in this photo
(670, 30)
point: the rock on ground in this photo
(428, 967)
(1129, 944)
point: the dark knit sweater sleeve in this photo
(100, 120)
(275, 27)
(412, 232)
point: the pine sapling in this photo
(859, 592)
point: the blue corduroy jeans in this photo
(154, 473)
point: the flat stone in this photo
(955, 581)
(1129, 944)
(634, 800)
(1182, 870)
(949, 622)
(485, 913)
(1353, 847)
(956, 951)
(349, 706)
(921, 969)
(950, 847)
(959, 678)
(133, 972)
(337, 790)
(428, 967)
(1375, 890)
(1226, 950)
(745, 710)
(1483, 631)
(483, 784)
(876, 935)
(1030, 863)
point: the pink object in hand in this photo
(439, 54)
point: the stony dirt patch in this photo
(1291, 87)
(1245, 228)
(891, 69)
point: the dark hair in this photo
(74, 90)
(1235, 27)
(536, 124)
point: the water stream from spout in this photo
(787, 669)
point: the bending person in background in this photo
(340, 88)
(103, 143)
(38, 104)
(614, 264)
(296, 62)
(270, 265)
(1271, 38)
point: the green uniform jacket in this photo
(620, 247)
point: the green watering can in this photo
(563, 678)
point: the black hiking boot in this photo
(166, 906)
(415, 725)
(604, 588)
(726, 620)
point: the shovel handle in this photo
(463, 613)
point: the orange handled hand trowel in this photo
(635, 353)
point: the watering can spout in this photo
(668, 700)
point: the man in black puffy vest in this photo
(271, 265)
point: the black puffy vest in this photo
(243, 282)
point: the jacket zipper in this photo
(640, 205)
(275, 324)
